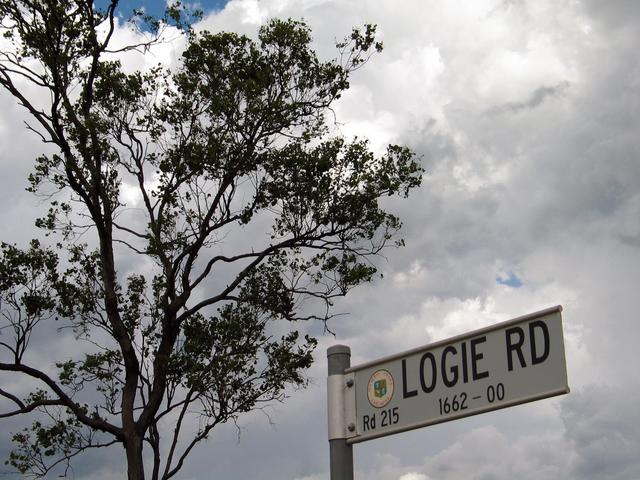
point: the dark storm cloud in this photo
(614, 14)
(537, 97)
(603, 425)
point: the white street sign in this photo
(513, 362)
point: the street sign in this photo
(500, 366)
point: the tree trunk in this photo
(135, 466)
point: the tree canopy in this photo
(248, 218)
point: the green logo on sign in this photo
(380, 388)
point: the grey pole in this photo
(340, 453)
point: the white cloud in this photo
(488, 453)
(413, 476)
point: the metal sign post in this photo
(500, 366)
(340, 452)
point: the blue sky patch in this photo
(156, 7)
(511, 280)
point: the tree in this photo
(236, 136)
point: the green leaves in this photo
(27, 279)
(243, 91)
(232, 144)
(231, 364)
(336, 185)
(37, 446)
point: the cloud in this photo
(413, 476)
(615, 15)
(537, 97)
(541, 194)
(487, 453)
(602, 424)
(546, 191)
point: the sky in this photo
(525, 114)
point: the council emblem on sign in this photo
(380, 388)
